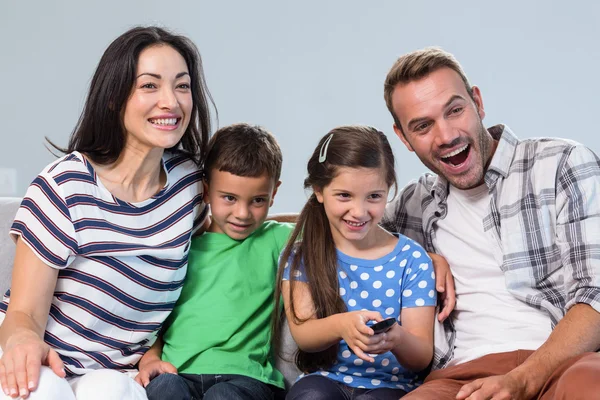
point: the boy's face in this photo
(239, 204)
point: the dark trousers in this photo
(317, 387)
(208, 387)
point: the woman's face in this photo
(159, 108)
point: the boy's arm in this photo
(154, 353)
(151, 364)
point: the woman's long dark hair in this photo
(100, 132)
(311, 243)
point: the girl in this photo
(103, 233)
(341, 271)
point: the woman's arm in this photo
(22, 332)
(317, 334)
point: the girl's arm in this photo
(413, 341)
(317, 334)
(22, 332)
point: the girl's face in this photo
(159, 108)
(354, 202)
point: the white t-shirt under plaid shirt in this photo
(544, 213)
(121, 265)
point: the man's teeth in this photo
(355, 223)
(164, 121)
(455, 152)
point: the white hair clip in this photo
(323, 152)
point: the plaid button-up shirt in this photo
(544, 212)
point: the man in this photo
(518, 222)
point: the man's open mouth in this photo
(458, 156)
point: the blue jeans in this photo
(208, 387)
(317, 387)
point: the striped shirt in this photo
(544, 212)
(121, 265)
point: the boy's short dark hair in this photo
(244, 150)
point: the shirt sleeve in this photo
(299, 274)
(578, 226)
(404, 214)
(418, 281)
(44, 223)
(282, 233)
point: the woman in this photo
(102, 234)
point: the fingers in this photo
(11, 381)
(450, 291)
(32, 372)
(21, 376)
(366, 316)
(55, 363)
(143, 378)
(3, 381)
(445, 309)
(362, 355)
(468, 389)
(440, 281)
(364, 331)
(448, 298)
(168, 368)
(378, 344)
(152, 370)
(371, 316)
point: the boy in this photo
(218, 336)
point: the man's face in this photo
(443, 126)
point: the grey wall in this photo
(301, 68)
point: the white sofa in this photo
(8, 209)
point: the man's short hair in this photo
(244, 150)
(417, 65)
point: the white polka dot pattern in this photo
(402, 279)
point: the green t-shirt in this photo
(221, 324)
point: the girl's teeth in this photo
(355, 223)
(164, 121)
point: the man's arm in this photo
(578, 332)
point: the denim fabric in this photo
(208, 387)
(316, 387)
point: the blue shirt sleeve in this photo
(300, 273)
(418, 282)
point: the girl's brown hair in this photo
(311, 243)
